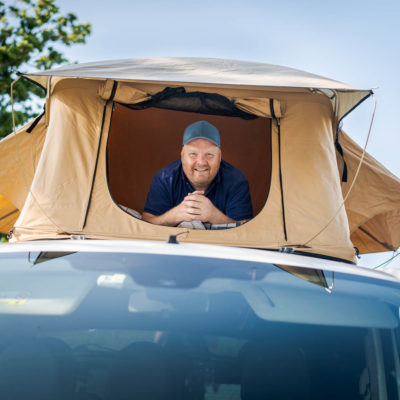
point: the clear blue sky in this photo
(353, 41)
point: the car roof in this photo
(193, 250)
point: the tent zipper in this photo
(113, 91)
(278, 124)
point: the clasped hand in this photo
(196, 206)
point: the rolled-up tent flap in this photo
(127, 93)
(373, 206)
(268, 108)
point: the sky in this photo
(356, 42)
(352, 41)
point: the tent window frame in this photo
(233, 115)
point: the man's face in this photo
(200, 162)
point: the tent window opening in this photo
(144, 138)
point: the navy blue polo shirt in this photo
(229, 191)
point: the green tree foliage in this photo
(30, 31)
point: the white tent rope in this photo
(386, 263)
(352, 183)
(15, 133)
(20, 160)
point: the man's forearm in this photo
(195, 206)
(168, 218)
(218, 217)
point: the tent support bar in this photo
(278, 124)
(9, 214)
(383, 244)
(113, 91)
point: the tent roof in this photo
(212, 72)
(195, 70)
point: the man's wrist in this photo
(218, 217)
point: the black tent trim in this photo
(278, 125)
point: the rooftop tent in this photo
(109, 126)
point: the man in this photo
(200, 186)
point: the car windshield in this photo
(100, 325)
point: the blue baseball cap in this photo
(201, 130)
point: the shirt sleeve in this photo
(239, 205)
(158, 199)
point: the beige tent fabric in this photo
(61, 187)
(20, 153)
(8, 215)
(311, 197)
(373, 206)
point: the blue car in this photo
(102, 320)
